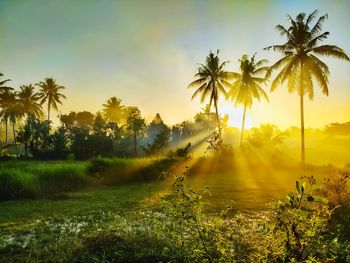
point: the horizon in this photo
(134, 51)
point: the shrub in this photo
(117, 170)
(15, 184)
(60, 178)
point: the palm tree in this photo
(11, 111)
(3, 89)
(247, 85)
(300, 66)
(211, 81)
(29, 101)
(113, 110)
(49, 91)
(2, 84)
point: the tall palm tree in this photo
(300, 65)
(3, 89)
(212, 79)
(247, 84)
(11, 111)
(29, 101)
(113, 110)
(50, 93)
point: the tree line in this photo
(121, 130)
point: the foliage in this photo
(16, 184)
(177, 230)
(211, 81)
(117, 170)
(182, 152)
(160, 142)
(217, 147)
(135, 125)
(340, 129)
(50, 93)
(40, 180)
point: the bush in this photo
(60, 178)
(15, 184)
(117, 170)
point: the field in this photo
(102, 204)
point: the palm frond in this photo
(331, 51)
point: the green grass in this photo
(37, 179)
(251, 186)
(25, 179)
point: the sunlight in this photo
(235, 116)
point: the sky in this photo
(146, 53)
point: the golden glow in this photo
(236, 115)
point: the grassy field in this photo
(104, 202)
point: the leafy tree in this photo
(24, 136)
(113, 131)
(176, 133)
(99, 124)
(300, 65)
(247, 84)
(156, 127)
(50, 93)
(84, 119)
(113, 110)
(135, 125)
(68, 120)
(29, 101)
(160, 142)
(35, 136)
(211, 82)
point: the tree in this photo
(113, 110)
(135, 125)
(160, 142)
(29, 101)
(156, 127)
(50, 93)
(3, 87)
(68, 120)
(4, 91)
(211, 82)
(84, 119)
(247, 84)
(10, 111)
(300, 66)
(267, 135)
(99, 125)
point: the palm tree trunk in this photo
(6, 135)
(302, 129)
(217, 117)
(13, 132)
(14, 137)
(48, 110)
(243, 122)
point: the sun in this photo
(235, 116)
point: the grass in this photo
(25, 179)
(119, 191)
(28, 180)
